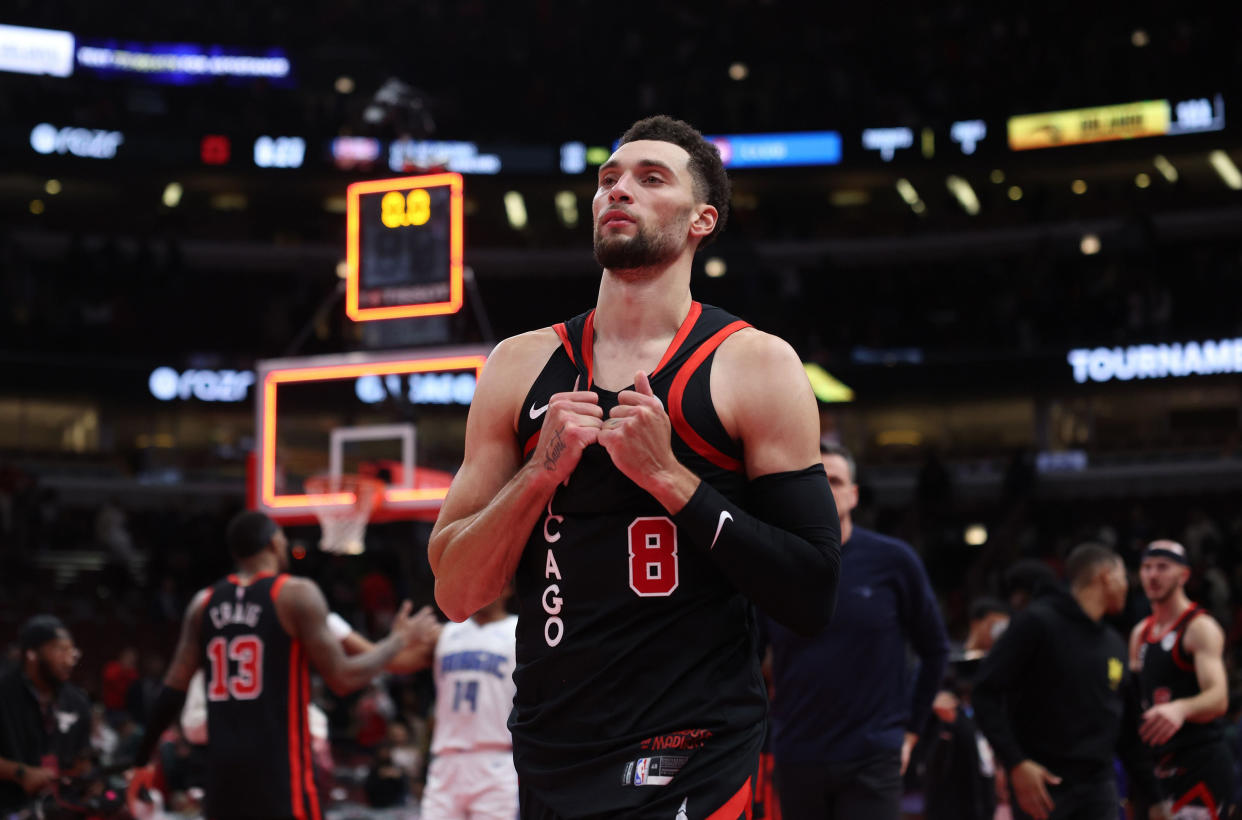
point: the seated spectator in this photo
(387, 785)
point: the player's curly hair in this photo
(711, 183)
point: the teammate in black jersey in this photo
(1177, 655)
(255, 633)
(647, 472)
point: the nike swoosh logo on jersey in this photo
(536, 412)
(724, 516)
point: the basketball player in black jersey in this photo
(1176, 653)
(647, 472)
(255, 633)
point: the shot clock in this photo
(404, 247)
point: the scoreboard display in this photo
(404, 247)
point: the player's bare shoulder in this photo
(755, 373)
(512, 368)
(1204, 634)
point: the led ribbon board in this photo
(404, 247)
(1107, 123)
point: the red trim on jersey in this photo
(295, 759)
(765, 792)
(1190, 615)
(235, 581)
(531, 444)
(309, 770)
(588, 347)
(737, 804)
(1199, 790)
(565, 343)
(677, 392)
(687, 325)
(1151, 638)
(277, 584)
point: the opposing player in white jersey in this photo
(472, 775)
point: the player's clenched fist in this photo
(572, 424)
(638, 434)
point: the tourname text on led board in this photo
(1160, 361)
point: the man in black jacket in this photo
(1055, 700)
(44, 720)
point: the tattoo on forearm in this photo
(555, 448)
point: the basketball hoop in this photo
(344, 505)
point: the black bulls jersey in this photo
(1167, 673)
(637, 671)
(258, 690)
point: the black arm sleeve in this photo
(164, 711)
(787, 556)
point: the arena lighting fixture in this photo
(826, 387)
(567, 208)
(919, 208)
(899, 438)
(1142, 180)
(344, 85)
(1015, 193)
(963, 193)
(515, 210)
(1166, 168)
(975, 535)
(1227, 170)
(52, 186)
(997, 176)
(739, 71)
(849, 198)
(342, 269)
(1090, 244)
(1079, 186)
(715, 267)
(907, 192)
(1140, 38)
(36, 206)
(172, 194)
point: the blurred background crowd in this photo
(950, 325)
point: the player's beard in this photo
(642, 251)
(1162, 597)
(48, 673)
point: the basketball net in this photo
(349, 501)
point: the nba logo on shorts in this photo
(640, 771)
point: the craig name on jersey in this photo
(235, 612)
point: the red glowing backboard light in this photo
(428, 483)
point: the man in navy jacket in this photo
(844, 713)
